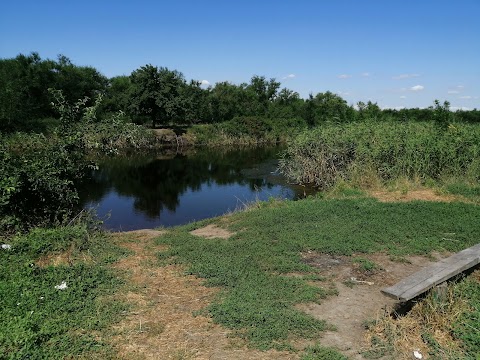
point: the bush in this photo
(115, 133)
(37, 179)
(249, 130)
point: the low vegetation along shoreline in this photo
(260, 273)
(277, 280)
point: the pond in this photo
(173, 188)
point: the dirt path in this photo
(359, 297)
(161, 324)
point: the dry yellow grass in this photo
(429, 322)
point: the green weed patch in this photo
(319, 352)
(56, 312)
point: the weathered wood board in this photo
(434, 274)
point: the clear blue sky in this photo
(395, 53)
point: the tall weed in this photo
(389, 150)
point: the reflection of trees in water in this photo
(157, 182)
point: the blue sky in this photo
(396, 53)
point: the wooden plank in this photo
(434, 274)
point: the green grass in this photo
(318, 352)
(469, 191)
(41, 322)
(258, 299)
(467, 327)
(247, 130)
(366, 265)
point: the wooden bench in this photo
(434, 274)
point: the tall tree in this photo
(23, 94)
(227, 101)
(25, 82)
(195, 102)
(369, 111)
(156, 93)
(331, 107)
(287, 104)
(76, 82)
(264, 91)
(117, 95)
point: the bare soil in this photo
(357, 301)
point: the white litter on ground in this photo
(62, 286)
(6, 246)
(417, 355)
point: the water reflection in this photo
(149, 190)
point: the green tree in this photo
(308, 112)
(117, 96)
(156, 93)
(23, 94)
(287, 104)
(25, 82)
(370, 111)
(442, 114)
(195, 102)
(227, 101)
(263, 93)
(330, 107)
(77, 82)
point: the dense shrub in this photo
(248, 130)
(37, 179)
(116, 133)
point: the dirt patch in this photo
(143, 234)
(161, 324)
(357, 302)
(212, 232)
(424, 195)
(63, 258)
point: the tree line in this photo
(161, 96)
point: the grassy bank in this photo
(41, 319)
(371, 152)
(254, 266)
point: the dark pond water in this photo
(167, 189)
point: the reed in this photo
(386, 150)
